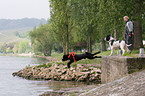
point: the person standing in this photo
(128, 32)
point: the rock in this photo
(72, 68)
(97, 70)
(62, 77)
(85, 70)
(65, 67)
(73, 71)
(68, 78)
(64, 71)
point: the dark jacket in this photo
(129, 27)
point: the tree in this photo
(76, 21)
(23, 46)
(111, 13)
(84, 16)
(139, 9)
(42, 39)
(60, 18)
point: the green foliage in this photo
(61, 22)
(91, 19)
(42, 39)
(8, 50)
(22, 47)
(75, 21)
(23, 35)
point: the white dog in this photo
(113, 44)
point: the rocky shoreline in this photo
(59, 71)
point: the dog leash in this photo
(73, 55)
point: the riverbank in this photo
(49, 58)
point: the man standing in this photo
(128, 32)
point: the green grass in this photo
(98, 60)
(56, 55)
(85, 61)
(133, 52)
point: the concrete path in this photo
(131, 85)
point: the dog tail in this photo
(97, 52)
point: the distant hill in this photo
(8, 36)
(9, 27)
(6, 24)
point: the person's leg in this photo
(129, 42)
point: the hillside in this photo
(8, 36)
(8, 28)
(6, 24)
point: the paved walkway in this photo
(131, 85)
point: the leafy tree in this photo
(77, 21)
(62, 22)
(85, 13)
(111, 13)
(23, 46)
(16, 47)
(42, 39)
(3, 48)
(8, 50)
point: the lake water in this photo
(16, 86)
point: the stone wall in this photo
(115, 67)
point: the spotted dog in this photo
(113, 44)
(76, 57)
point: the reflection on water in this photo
(16, 86)
(56, 85)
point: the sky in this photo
(18, 9)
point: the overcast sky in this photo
(18, 9)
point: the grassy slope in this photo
(8, 36)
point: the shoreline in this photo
(60, 72)
(78, 75)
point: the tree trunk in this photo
(137, 43)
(47, 52)
(64, 51)
(103, 45)
(89, 43)
(67, 40)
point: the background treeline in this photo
(83, 24)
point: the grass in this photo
(85, 61)
(56, 55)
(98, 60)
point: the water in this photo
(16, 86)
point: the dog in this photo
(76, 57)
(113, 44)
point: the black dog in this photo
(76, 57)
